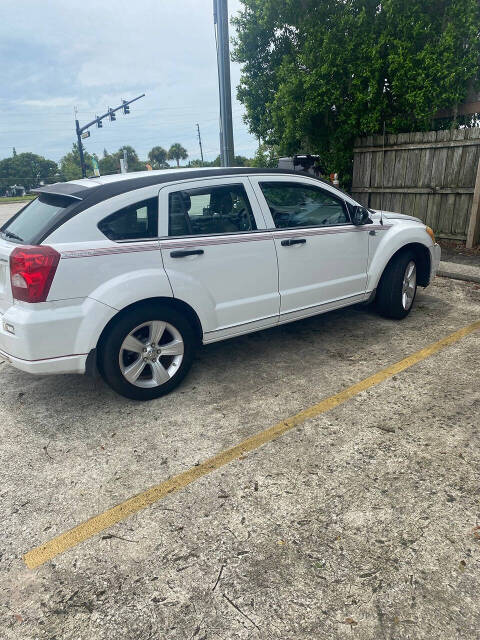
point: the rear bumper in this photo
(52, 337)
(64, 364)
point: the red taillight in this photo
(31, 272)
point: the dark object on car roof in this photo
(305, 163)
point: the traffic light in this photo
(126, 108)
(112, 116)
(99, 122)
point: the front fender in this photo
(386, 244)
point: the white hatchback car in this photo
(126, 274)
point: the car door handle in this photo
(183, 253)
(292, 241)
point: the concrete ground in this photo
(362, 522)
(9, 209)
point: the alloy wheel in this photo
(409, 285)
(151, 354)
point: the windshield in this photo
(29, 223)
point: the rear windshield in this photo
(29, 223)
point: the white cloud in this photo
(56, 55)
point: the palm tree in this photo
(177, 152)
(158, 157)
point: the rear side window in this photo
(222, 209)
(135, 222)
(32, 220)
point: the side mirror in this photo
(360, 215)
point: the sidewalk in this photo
(458, 262)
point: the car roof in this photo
(96, 189)
(87, 192)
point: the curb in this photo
(458, 276)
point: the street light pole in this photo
(80, 149)
(83, 133)
(220, 18)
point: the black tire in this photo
(110, 347)
(390, 289)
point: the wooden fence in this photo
(434, 175)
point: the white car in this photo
(127, 274)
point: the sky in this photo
(58, 55)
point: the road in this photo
(360, 521)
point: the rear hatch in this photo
(30, 225)
(6, 299)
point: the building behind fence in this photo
(434, 175)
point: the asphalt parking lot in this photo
(361, 521)
(8, 210)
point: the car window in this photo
(300, 205)
(222, 209)
(37, 216)
(135, 222)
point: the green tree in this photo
(109, 163)
(317, 73)
(242, 161)
(26, 169)
(133, 162)
(158, 158)
(177, 153)
(70, 168)
(194, 164)
(265, 156)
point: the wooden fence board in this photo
(430, 174)
(433, 208)
(462, 211)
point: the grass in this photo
(16, 199)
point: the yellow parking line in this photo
(39, 555)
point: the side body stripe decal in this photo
(182, 243)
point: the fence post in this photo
(473, 233)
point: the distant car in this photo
(126, 274)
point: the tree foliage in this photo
(177, 153)
(317, 73)
(158, 158)
(133, 161)
(27, 170)
(70, 168)
(238, 161)
(265, 156)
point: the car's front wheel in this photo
(398, 286)
(147, 352)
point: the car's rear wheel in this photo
(398, 286)
(147, 352)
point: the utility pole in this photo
(80, 148)
(220, 18)
(82, 132)
(200, 141)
